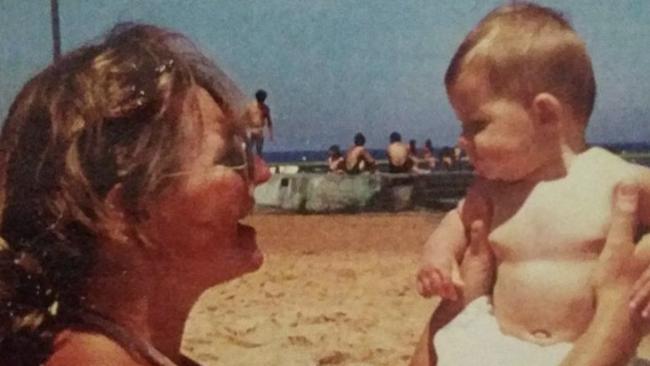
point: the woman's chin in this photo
(257, 259)
(247, 246)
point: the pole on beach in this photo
(56, 33)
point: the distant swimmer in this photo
(258, 116)
(358, 159)
(399, 159)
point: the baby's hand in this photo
(439, 277)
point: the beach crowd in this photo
(401, 157)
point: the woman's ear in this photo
(547, 109)
(115, 223)
(119, 223)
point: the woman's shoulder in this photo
(72, 347)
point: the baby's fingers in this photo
(429, 282)
(448, 291)
(423, 284)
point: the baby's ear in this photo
(547, 108)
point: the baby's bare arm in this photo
(448, 239)
(438, 273)
(444, 250)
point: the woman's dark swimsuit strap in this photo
(131, 343)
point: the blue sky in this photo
(335, 67)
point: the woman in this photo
(125, 177)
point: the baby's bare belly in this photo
(544, 301)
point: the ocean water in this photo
(321, 155)
(309, 155)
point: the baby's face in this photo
(499, 134)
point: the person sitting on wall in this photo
(429, 155)
(335, 160)
(358, 159)
(399, 159)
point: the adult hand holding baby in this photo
(622, 288)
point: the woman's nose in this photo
(262, 172)
(463, 142)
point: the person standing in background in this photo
(258, 116)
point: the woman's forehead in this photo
(207, 108)
(201, 111)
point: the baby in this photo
(522, 86)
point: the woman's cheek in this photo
(219, 200)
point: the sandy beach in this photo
(334, 290)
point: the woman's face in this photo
(196, 220)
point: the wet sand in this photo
(334, 290)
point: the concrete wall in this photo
(308, 192)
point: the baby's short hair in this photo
(526, 49)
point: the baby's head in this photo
(520, 82)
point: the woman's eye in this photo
(233, 156)
(474, 127)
